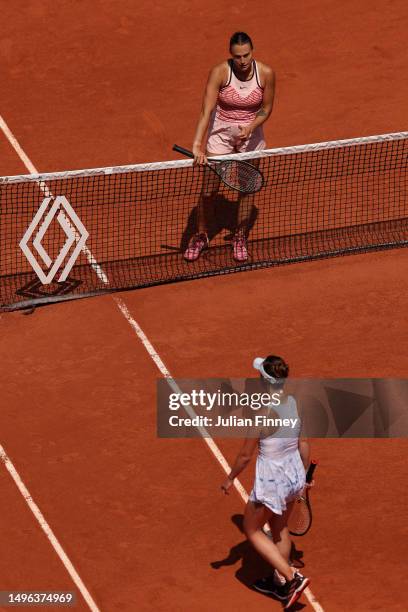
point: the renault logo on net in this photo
(73, 228)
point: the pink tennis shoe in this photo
(239, 246)
(197, 244)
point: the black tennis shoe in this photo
(268, 586)
(292, 590)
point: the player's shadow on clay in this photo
(252, 565)
(224, 216)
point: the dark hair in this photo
(240, 38)
(276, 367)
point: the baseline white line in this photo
(47, 530)
(153, 354)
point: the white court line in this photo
(47, 530)
(16, 146)
(154, 356)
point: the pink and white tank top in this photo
(239, 101)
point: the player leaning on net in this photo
(279, 480)
(238, 99)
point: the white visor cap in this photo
(258, 365)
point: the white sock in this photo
(278, 579)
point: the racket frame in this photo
(304, 499)
(214, 163)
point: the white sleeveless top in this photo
(275, 447)
(279, 473)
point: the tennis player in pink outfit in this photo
(238, 99)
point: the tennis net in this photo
(80, 233)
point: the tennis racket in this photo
(236, 174)
(300, 519)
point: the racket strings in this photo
(240, 175)
(300, 518)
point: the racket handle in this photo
(310, 471)
(183, 151)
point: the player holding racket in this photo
(238, 99)
(280, 478)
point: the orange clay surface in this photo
(142, 519)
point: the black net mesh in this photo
(83, 233)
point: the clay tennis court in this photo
(139, 523)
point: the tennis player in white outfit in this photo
(280, 477)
